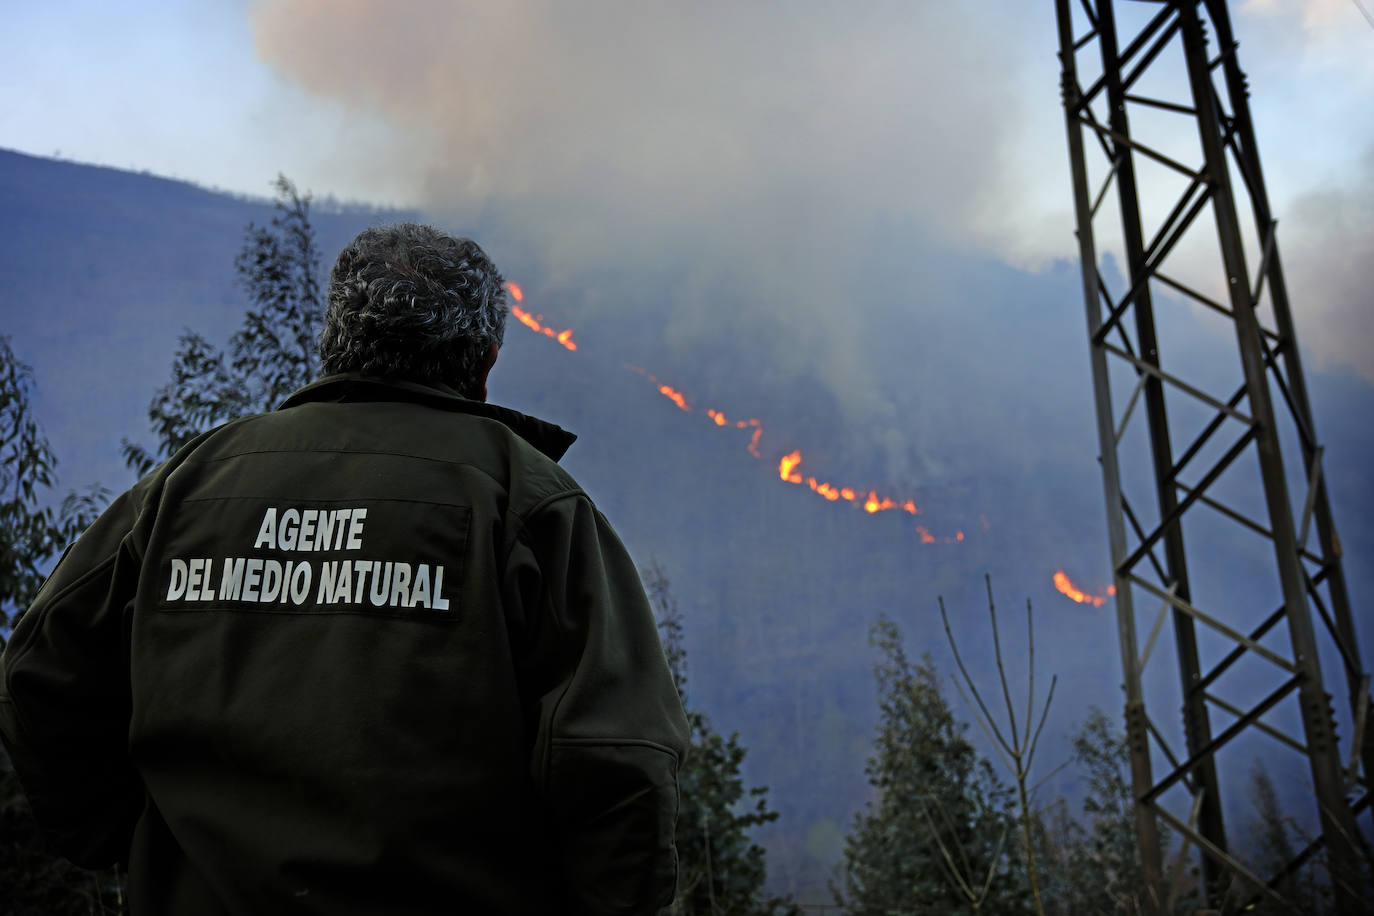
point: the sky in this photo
(762, 144)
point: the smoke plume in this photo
(737, 163)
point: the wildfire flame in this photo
(677, 397)
(1066, 586)
(719, 419)
(536, 322)
(866, 498)
(928, 538)
(786, 465)
(715, 416)
(870, 502)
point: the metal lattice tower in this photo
(1167, 112)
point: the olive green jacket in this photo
(374, 652)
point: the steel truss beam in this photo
(1153, 66)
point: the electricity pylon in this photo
(1167, 111)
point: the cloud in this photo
(1328, 256)
(1316, 17)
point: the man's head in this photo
(410, 302)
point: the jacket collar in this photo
(550, 439)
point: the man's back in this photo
(380, 659)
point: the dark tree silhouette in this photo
(270, 356)
(720, 869)
(31, 535)
(939, 835)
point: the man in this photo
(374, 652)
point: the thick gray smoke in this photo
(750, 148)
(1328, 253)
(606, 119)
(761, 149)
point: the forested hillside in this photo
(972, 403)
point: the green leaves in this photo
(720, 869)
(31, 535)
(1094, 860)
(933, 840)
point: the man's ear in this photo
(487, 362)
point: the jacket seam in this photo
(57, 598)
(522, 518)
(524, 527)
(340, 451)
(615, 742)
(554, 440)
(546, 501)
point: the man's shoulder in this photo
(548, 438)
(516, 452)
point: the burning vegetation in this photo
(536, 322)
(1074, 593)
(870, 499)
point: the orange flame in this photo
(873, 504)
(721, 420)
(1074, 593)
(754, 442)
(525, 318)
(715, 416)
(824, 489)
(870, 501)
(677, 397)
(867, 498)
(536, 322)
(928, 538)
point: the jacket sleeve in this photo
(608, 726)
(64, 696)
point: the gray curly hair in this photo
(408, 301)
